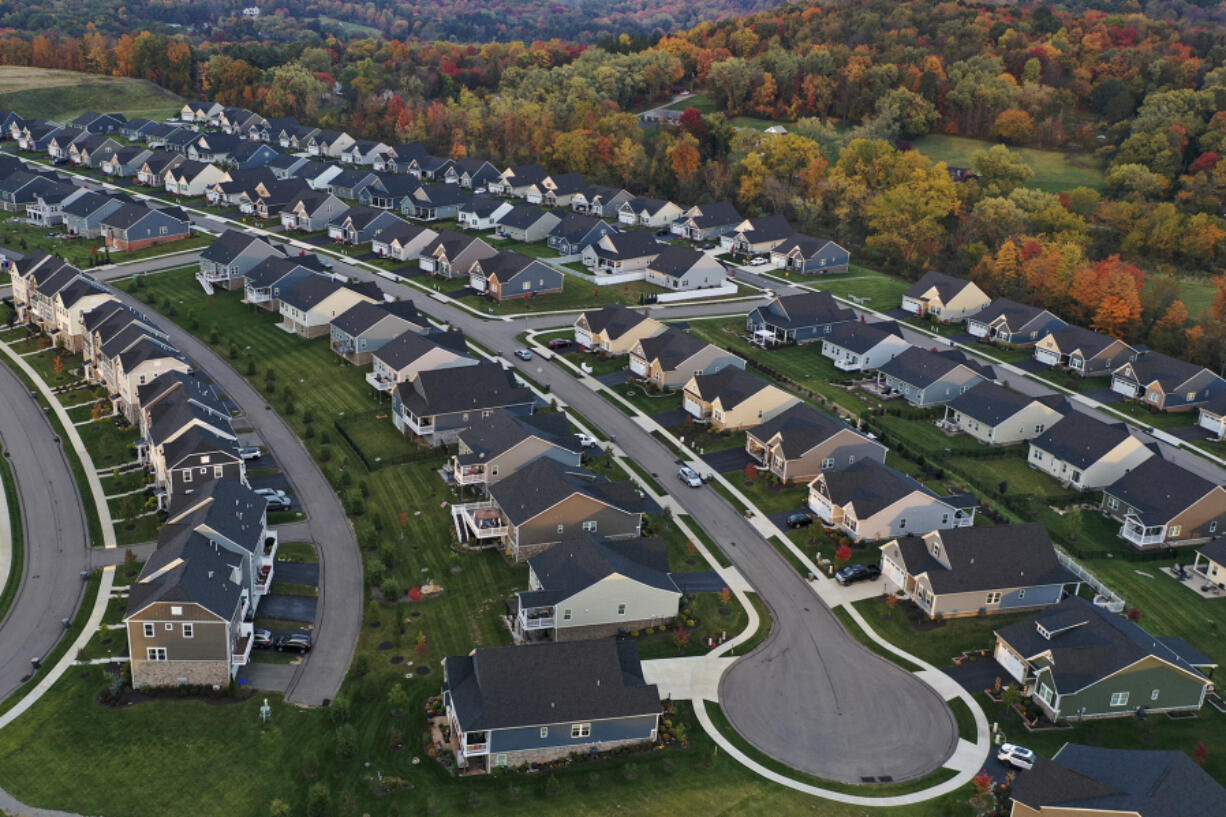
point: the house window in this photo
(1045, 693)
(527, 285)
(1038, 455)
(155, 654)
(1153, 696)
(902, 523)
(590, 526)
(500, 759)
(1039, 428)
(493, 470)
(566, 614)
(944, 519)
(189, 630)
(621, 609)
(561, 528)
(1174, 530)
(149, 631)
(580, 730)
(1119, 699)
(1021, 594)
(993, 598)
(176, 610)
(162, 230)
(1112, 502)
(827, 463)
(1213, 526)
(169, 626)
(217, 472)
(544, 731)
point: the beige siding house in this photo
(801, 442)
(671, 358)
(503, 443)
(1086, 453)
(732, 399)
(995, 415)
(1162, 505)
(309, 308)
(615, 329)
(945, 297)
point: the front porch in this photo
(241, 653)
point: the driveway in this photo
(730, 459)
(55, 534)
(297, 572)
(269, 677)
(290, 608)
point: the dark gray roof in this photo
(507, 263)
(527, 174)
(807, 245)
(189, 385)
(923, 367)
(575, 227)
(522, 216)
(408, 347)
(228, 246)
(1087, 643)
(1151, 783)
(1215, 550)
(576, 564)
(502, 431)
(804, 309)
(1069, 339)
(870, 487)
(1081, 440)
(226, 507)
(1170, 372)
(614, 319)
(767, 228)
(482, 206)
(198, 441)
(358, 318)
(731, 385)
(1016, 315)
(716, 214)
(1160, 490)
(452, 242)
(802, 428)
(675, 260)
(671, 347)
(550, 682)
(861, 337)
(632, 244)
(989, 403)
(169, 416)
(543, 483)
(982, 559)
(147, 348)
(443, 391)
(310, 291)
(640, 203)
(202, 577)
(272, 269)
(567, 183)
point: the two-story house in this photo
(309, 307)
(224, 262)
(135, 227)
(504, 442)
(362, 329)
(436, 405)
(732, 399)
(402, 358)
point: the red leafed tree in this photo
(1201, 753)
(1134, 614)
(983, 782)
(691, 120)
(843, 553)
(681, 637)
(415, 594)
(751, 470)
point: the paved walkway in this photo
(6, 536)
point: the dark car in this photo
(857, 573)
(664, 232)
(560, 343)
(298, 642)
(261, 640)
(799, 520)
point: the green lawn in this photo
(63, 95)
(769, 495)
(1054, 171)
(576, 294)
(937, 644)
(1158, 419)
(925, 436)
(108, 443)
(647, 402)
(80, 252)
(876, 289)
(1012, 470)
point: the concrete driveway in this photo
(269, 677)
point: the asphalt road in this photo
(56, 534)
(338, 617)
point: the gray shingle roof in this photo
(983, 559)
(578, 563)
(202, 577)
(870, 487)
(1081, 440)
(551, 682)
(228, 246)
(674, 260)
(229, 508)
(543, 483)
(860, 337)
(923, 367)
(801, 427)
(671, 347)
(502, 431)
(989, 403)
(408, 347)
(716, 214)
(1069, 339)
(1170, 372)
(804, 309)
(198, 441)
(1160, 490)
(441, 391)
(731, 385)
(614, 319)
(1215, 550)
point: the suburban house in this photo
(83, 215)
(1082, 351)
(556, 190)
(194, 458)
(362, 152)
(1085, 453)
(397, 158)
(433, 168)
(926, 378)
(92, 150)
(61, 141)
(1211, 416)
(203, 112)
(648, 212)
(482, 212)
(436, 405)
(508, 275)
(158, 167)
(1077, 660)
(1163, 505)
(434, 202)
(135, 226)
(402, 358)
(238, 120)
(732, 399)
(349, 183)
(213, 147)
(544, 503)
(1165, 383)
(869, 500)
(32, 278)
(452, 254)
(193, 179)
(512, 706)
(591, 587)
(126, 162)
(680, 268)
(475, 174)
(671, 358)
(402, 241)
(362, 225)
(1213, 569)
(802, 442)
(757, 235)
(71, 304)
(311, 211)
(857, 346)
(264, 283)
(505, 442)
(224, 262)
(390, 192)
(705, 222)
(138, 364)
(93, 122)
(309, 307)
(621, 252)
(517, 181)
(526, 223)
(362, 329)
(801, 318)
(319, 175)
(181, 388)
(615, 329)
(329, 143)
(576, 231)
(1090, 781)
(809, 256)
(996, 415)
(47, 207)
(978, 570)
(598, 200)
(168, 420)
(1007, 321)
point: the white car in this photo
(1018, 757)
(758, 261)
(269, 492)
(690, 477)
(523, 354)
(586, 440)
(250, 452)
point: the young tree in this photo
(397, 698)
(843, 553)
(681, 638)
(423, 646)
(725, 595)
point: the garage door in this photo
(1012, 664)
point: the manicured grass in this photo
(1012, 471)
(853, 629)
(924, 435)
(711, 617)
(297, 552)
(576, 294)
(12, 582)
(965, 718)
(1158, 419)
(532, 249)
(81, 252)
(55, 94)
(769, 494)
(936, 643)
(715, 549)
(647, 402)
(291, 589)
(135, 531)
(109, 443)
(803, 365)
(876, 289)
(1054, 171)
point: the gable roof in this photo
(229, 245)
(872, 487)
(522, 216)
(191, 571)
(229, 508)
(861, 337)
(632, 244)
(805, 246)
(441, 391)
(713, 214)
(730, 385)
(578, 563)
(1081, 440)
(992, 404)
(543, 483)
(614, 320)
(1070, 339)
(408, 347)
(1015, 315)
(923, 367)
(549, 682)
(1160, 490)
(765, 228)
(984, 559)
(800, 428)
(1170, 372)
(1215, 550)
(502, 431)
(575, 227)
(197, 440)
(674, 260)
(804, 309)
(671, 347)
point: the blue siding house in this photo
(512, 706)
(801, 318)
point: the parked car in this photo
(758, 260)
(267, 492)
(250, 452)
(799, 519)
(586, 440)
(298, 642)
(663, 233)
(857, 573)
(1019, 757)
(708, 246)
(560, 343)
(278, 502)
(262, 640)
(523, 354)
(690, 477)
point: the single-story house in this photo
(403, 241)
(577, 231)
(1082, 351)
(452, 254)
(801, 318)
(599, 200)
(555, 190)
(526, 223)
(615, 329)
(193, 179)
(1211, 416)
(621, 252)
(83, 216)
(997, 415)
(517, 181)
(1086, 453)
(858, 346)
(681, 268)
(1165, 383)
(732, 399)
(362, 225)
(312, 210)
(1162, 505)
(509, 275)
(1008, 321)
(648, 212)
(135, 226)
(482, 212)
(801, 442)
(436, 201)
(671, 358)
(927, 378)
(810, 256)
(757, 235)
(704, 222)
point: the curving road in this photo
(338, 616)
(56, 533)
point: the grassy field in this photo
(54, 94)
(937, 644)
(705, 104)
(877, 289)
(576, 294)
(1054, 171)
(81, 252)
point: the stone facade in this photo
(174, 673)
(604, 630)
(548, 755)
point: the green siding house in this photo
(1076, 660)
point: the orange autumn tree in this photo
(1118, 308)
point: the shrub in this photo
(391, 589)
(346, 740)
(339, 709)
(318, 804)
(553, 786)
(376, 571)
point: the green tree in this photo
(1000, 170)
